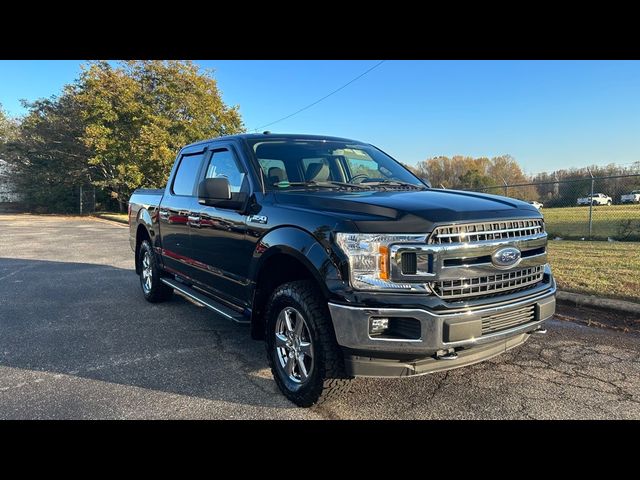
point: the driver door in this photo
(218, 241)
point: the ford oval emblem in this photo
(506, 257)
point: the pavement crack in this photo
(16, 271)
(441, 381)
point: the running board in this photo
(205, 301)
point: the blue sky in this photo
(547, 114)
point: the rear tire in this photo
(308, 367)
(153, 289)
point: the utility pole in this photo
(590, 205)
(506, 187)
(80, 199)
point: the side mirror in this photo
(214, 189)
(216, 192)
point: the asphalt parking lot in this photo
(77, 340)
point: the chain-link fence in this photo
(599, 208)
(605, 210)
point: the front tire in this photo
(305, 359)
(609, 203)
(153, 289)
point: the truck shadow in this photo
(91, 321)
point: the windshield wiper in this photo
(327, 184)
(398, 183)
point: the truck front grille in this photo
(489, 285)
(503, 321)
(476, 232)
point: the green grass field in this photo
(607, 269)
(573, 222)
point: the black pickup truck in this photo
(341, 260)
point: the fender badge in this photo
(258, 219)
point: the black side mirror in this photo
(214, 189)
(216, 192)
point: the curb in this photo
(578, 300)
(114, 220)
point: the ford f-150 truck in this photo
(344, 262)
(596, 199)
(633, 197)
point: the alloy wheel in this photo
(147, 272)
(294, 348)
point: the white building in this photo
(7, 189)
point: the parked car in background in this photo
(633, 197)
(538, 205)
(597, 199)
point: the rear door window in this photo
(185, 178)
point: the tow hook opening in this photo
(541, 330)
(449, 354)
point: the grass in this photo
(606, 269)
(573, 222)
(116, 217)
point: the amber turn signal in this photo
(384, 263)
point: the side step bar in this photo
(205, 301)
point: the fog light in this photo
(378, 325)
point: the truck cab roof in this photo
(291, 136)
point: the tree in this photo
(138, 114)
(48, 160)
(8, 132)
(8, 128)
(473, 179)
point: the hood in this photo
(407, 211)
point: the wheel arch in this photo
(144, 230)
(284, 255)
(142, 233)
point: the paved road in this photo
(77, 340)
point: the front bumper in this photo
(460, 330)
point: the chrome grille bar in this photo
(489, 284)
(502, 321)
(476, 232)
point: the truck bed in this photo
(149, 191)
(146, 197)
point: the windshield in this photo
(309, 163)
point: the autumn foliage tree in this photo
(118, 127)
(8, 128)
(47, 158)
(468, 173)
(137, 116)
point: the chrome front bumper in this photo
(351, 325)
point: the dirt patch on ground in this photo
(594, 317)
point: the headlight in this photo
(369, 258)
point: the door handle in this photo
(193, 220)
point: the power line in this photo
(323, 98)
